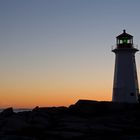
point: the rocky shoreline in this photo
(85, 120)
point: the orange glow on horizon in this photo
(51, 97)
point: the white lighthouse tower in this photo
(125, 87)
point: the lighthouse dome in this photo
(124, 34)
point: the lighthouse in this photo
(125, 86)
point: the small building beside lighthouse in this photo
(125, 86)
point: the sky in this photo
(55, 52)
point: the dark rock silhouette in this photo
(85, 120)
(7, 112)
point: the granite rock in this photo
(84, 120)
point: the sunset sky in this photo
(54, 52)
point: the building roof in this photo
(124, 34)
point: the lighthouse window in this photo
(124, 41)
(121, 41)
(128, 41)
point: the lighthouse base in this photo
(120, 96)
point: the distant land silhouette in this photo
(84, 120)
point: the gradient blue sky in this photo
(53, 52)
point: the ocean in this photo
(18, 109)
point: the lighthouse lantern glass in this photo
(124, 41)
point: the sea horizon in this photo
(17, 109)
